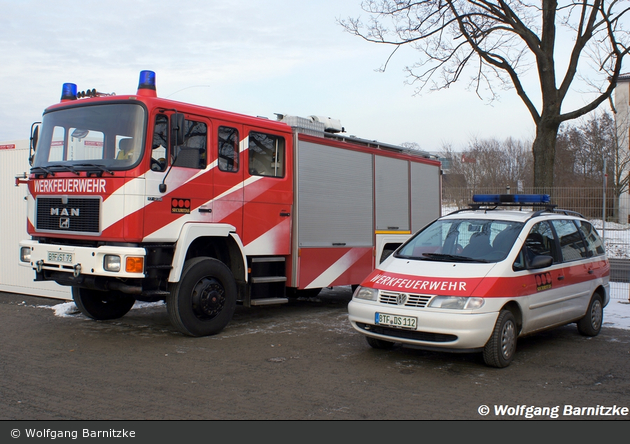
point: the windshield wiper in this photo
(452, 257)
(68, 167)
(39, 169)
(94, 166)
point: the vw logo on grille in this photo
(401, 298)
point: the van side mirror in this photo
(177, 129)
(541, 261)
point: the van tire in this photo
(591, 323)
(500, 348)
(202, 303)
(379, 344)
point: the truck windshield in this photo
(104, 136)
(463, 240)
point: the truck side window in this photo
(228, 149)
(193, 154)
(266, 155)
(160, 142)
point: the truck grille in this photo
(77, 215)
(406, 299)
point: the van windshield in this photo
(106, 136)
(462, 240)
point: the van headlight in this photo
(366, 293)
(25, 254)
(456, 302)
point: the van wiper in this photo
(452, 257)
(68, 167)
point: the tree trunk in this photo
(544, 150)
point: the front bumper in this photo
(79, 261)
(437, 328)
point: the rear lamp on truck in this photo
(511, 198)
(25, 254)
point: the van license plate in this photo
(65, 258)
(396, 321)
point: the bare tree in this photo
(498, 40)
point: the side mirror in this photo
(177, 129)
(34, 139)
(542, 261)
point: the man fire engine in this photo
(137, 198)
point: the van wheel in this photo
(379, 343)
(203, 301)
(102, 305)
(591, 323)
(500, 348)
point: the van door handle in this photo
(284, 214)
(561, 277)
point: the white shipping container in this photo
(13, 277)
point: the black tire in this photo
(203, 301)
(102, 305)
(591, 323)
(500, 348)
(379, 343)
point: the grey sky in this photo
(256, 57)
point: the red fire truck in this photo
(137, 198)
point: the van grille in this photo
(77, 215)
(404, 299)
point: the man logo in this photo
(64, 222)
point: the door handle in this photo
(285, 214)
(561, 277)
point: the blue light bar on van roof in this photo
(512, 198)
(69, 91)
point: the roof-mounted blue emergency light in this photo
(146, 85)
(68, 92)
(512, 198)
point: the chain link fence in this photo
(600, 206)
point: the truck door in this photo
(268, 193)
(228, 174)
(186, 175)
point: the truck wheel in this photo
(500, 348)
(379, 343)
(591, 323)
(102, 305)
(203, 301)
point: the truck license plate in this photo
(396, 321)
(66, 258)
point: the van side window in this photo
(540, 241)
(228, 149)
(193, 153)
(160, 143)
(594, 244)
(571, 244)
(266, 154)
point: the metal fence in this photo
(600, 206)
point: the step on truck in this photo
(138, 198)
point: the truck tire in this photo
(591, 323)
(102, 305)
(500, 348)
(203, 301)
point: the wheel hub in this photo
(208, 298)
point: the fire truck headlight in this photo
(25, 254)
(111, 262)
(456, 302)
(369, 294)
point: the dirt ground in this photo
(300, 361)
